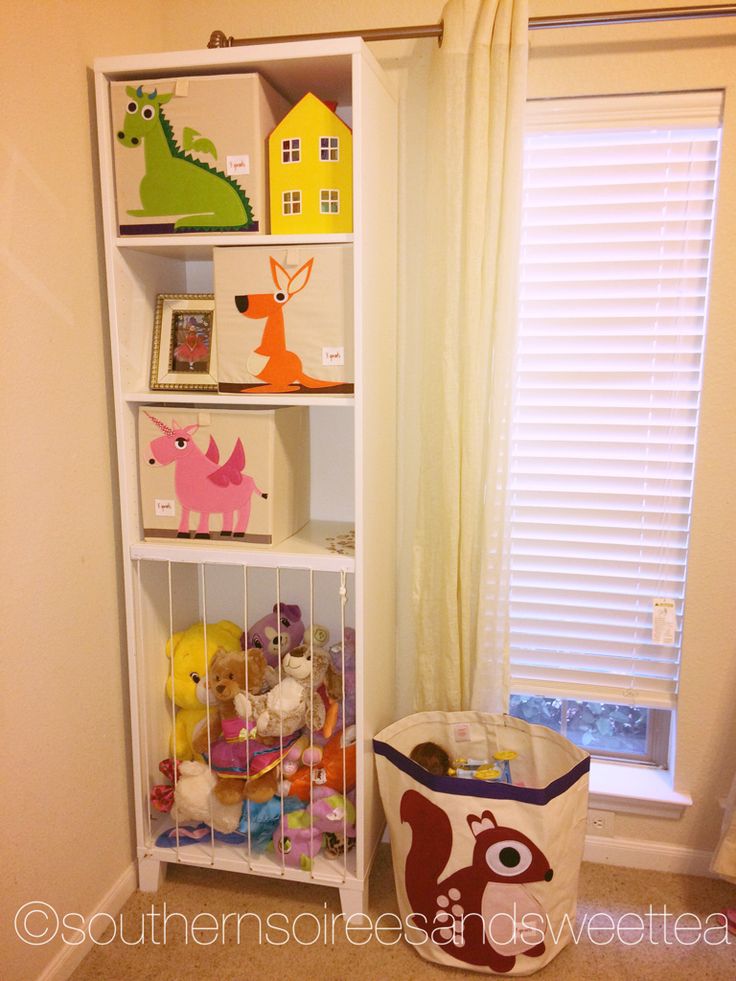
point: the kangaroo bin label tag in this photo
(333, 355)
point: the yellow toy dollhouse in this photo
(310, 155)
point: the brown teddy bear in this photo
(245, 768)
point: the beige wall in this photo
(66, 815)
(66, 819)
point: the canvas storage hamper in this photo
(486, 872)
(190, 154)
(285, 318)
(237, 475)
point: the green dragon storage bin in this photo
(190, 154)
(487, 856)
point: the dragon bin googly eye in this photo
(508, 858)
(148, 112)
(132, 107)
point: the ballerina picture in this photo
(184, 350)
(192, 333)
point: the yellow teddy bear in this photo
(188, 673)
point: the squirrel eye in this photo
(508, 858)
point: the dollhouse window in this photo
(291, 203)
(291, 151)
(329, 148)
(329, 202)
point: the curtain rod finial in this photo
(218, 39)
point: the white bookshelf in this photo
(353, 446)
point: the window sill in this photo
(630, 789)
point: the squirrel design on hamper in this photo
(464, 908)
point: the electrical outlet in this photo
(600, 823)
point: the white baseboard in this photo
(69, 958)
(632, 853)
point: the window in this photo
(329, 148)
(619, 199)
(291, 202)
(329, 202)
(291, 151)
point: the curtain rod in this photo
(218, 39)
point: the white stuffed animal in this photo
(294, 702)
(194, 800)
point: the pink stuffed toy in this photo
(296, 841)
(277, 633)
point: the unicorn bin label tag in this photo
(664, 623)
(237, 164)
(165, 509)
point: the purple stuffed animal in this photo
(329, 820)
(347, 680)
(277, 633)
(334, 816)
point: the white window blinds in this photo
(619, 197)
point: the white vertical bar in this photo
(343, 600)
(203, 603)
(281, 721)
(142, 704)
(246, 803)
(173, 694)
(311, 697)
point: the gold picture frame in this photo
(184, 353)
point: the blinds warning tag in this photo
(664, 624)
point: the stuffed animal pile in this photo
(263, 738)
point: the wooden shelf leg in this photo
(354, 902)
(151, 873)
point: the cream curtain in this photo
(458, 321)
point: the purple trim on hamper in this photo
(460, 787)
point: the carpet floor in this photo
(666, 949)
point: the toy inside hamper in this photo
(486, 870)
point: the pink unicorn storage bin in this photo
(190, 153)
(285, 319)
(231, 476)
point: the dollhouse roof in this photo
(308, 103)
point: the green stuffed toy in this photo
(188, 669)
